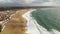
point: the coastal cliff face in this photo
(17, 23)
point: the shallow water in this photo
(49, 18)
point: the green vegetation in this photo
(49, 19)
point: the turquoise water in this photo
(49, 18)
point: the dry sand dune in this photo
(17, 24)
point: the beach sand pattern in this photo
(17, 23)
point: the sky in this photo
(29, 2)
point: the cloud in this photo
(28, 2)
(49, 4)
